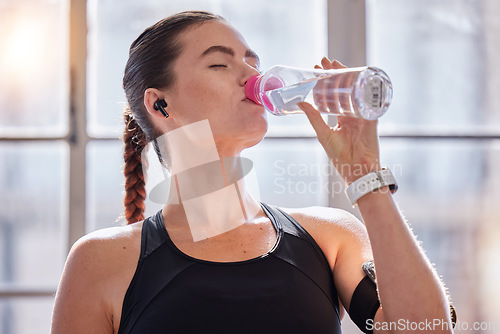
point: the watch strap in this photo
(370, 182)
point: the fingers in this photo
(318, 123)
(336, 99)
(345, 96)
(327, 64)
(333, 94)
(319, 94)
(341, 98)
(338, 64)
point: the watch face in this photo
(369, 269)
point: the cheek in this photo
(205, 96)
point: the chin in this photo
(259, 126)
(256, 137)
(251, 132)
(245, 131)
(254, 142)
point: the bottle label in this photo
(373, 93)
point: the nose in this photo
(249, 71)
(250, 74)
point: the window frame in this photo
(342, 15)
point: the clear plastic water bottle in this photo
(364, 92)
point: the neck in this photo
(211, 199)
(208, 187)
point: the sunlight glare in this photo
(26, 47)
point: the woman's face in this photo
(210, 76)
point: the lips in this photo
(248, 100)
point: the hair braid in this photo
(135, 187)
(150, 65)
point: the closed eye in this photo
(218, 66)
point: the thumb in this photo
(318, 123)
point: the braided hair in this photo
(150, 65)
(135, 192)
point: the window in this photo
(443, 129)
(61, 106)
(34, 81)
(34, 152)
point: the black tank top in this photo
(290, 289)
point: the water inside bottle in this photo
(284, 100)
(361, 94)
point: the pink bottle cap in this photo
(252, 90)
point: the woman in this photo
(250, 268)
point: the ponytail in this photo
(135, 189)
(150, 65)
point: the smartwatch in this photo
(370, 182)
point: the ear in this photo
(151, 95)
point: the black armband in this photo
(364, 304)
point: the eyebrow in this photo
(229, 51)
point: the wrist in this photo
(380, 192)
(351, 173)
(375, 203)
(380, 181)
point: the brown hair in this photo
(150, 65)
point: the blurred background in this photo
(61, 102)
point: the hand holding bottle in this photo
(352, 145)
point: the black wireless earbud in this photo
(161, 105)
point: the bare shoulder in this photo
(109, 239)
(326, 220)
(98, 270)
(99, 250)
(103, 256)
(333, 229)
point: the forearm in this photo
(409, 288)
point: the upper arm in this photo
(353, 250)
(345, 243)
(80, 304)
